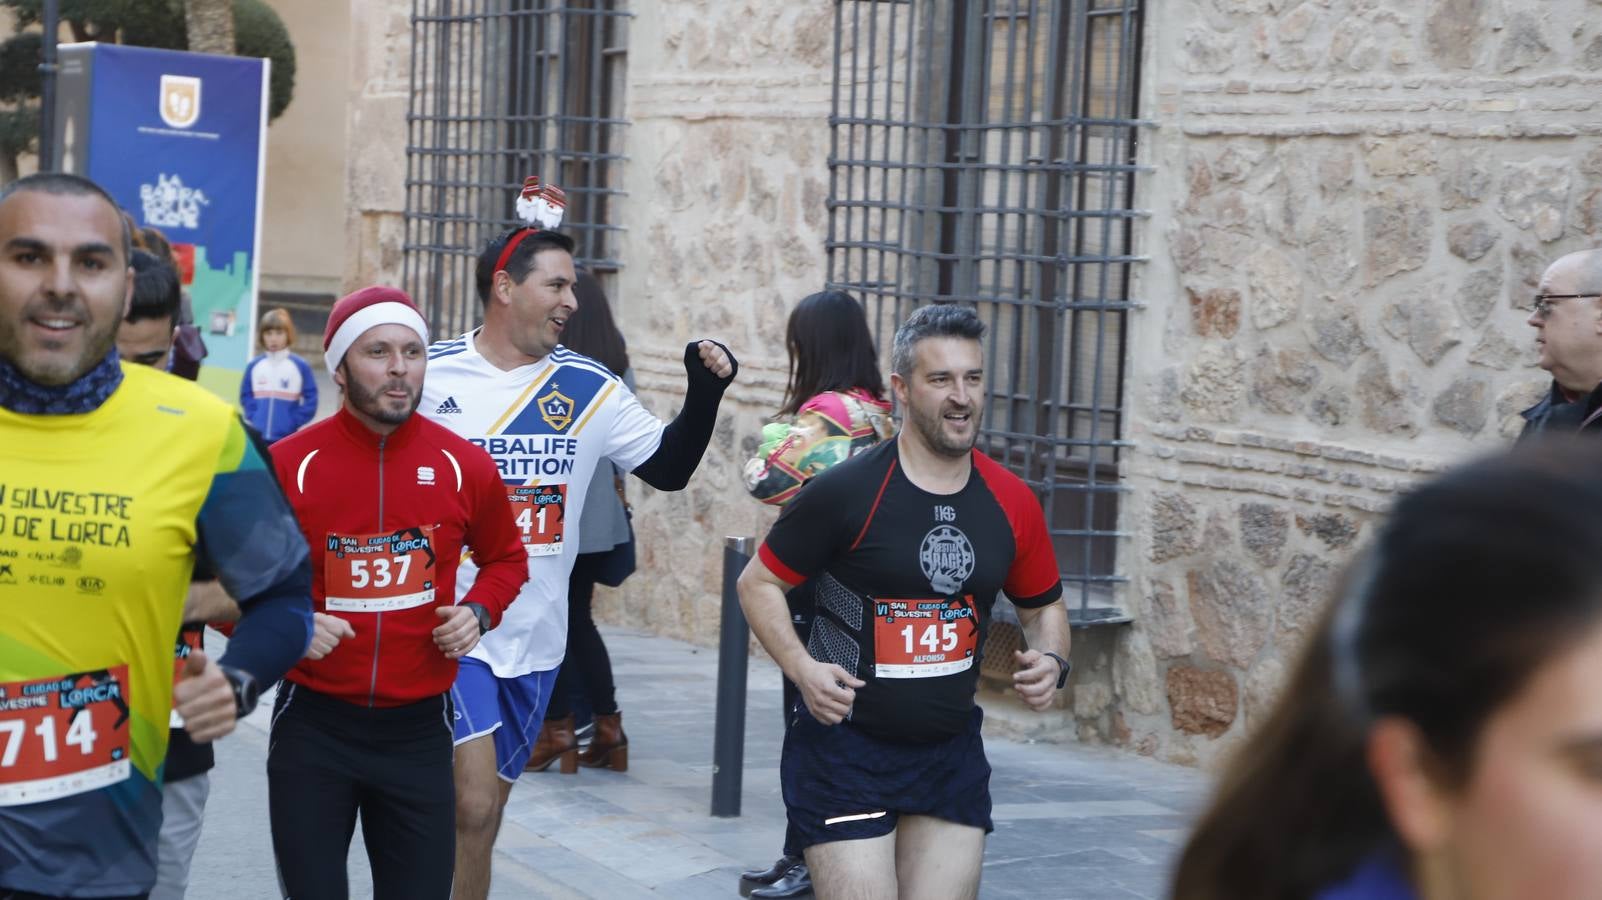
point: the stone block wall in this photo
(377, 94)
(727, 184)
(1352, 199)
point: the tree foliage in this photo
(258, 31)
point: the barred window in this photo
(983, 152)
(500, 90)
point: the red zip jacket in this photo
(387, 518)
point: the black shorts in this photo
(843, 785)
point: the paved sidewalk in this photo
(1077, 823)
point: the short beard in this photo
(55, 372)
(372, 405)
(932, 430)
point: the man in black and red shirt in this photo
(389, 502)
(884, 771)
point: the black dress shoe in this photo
(795, 883)
(771, 873)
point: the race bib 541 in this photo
(540, 511)
(63, 736)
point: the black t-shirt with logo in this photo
(905, 580)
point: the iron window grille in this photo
(984, 152)
(500, 90)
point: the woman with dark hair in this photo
(606, 556)
(1441, 736)
(834, 408)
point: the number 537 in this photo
(379, 571)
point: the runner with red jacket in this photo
(389, 502)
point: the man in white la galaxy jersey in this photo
(547, 416)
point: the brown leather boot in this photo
(556, 741)
(609, 748)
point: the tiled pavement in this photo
(1076, 823)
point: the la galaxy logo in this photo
(556, 409)
(947, 559)
(180, 100)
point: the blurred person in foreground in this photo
(1441, 736)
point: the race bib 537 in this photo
(379, 572)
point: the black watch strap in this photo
(246, 691)
(483, 616)
(1064, 667)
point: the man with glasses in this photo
(1567, 319)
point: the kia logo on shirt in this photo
(89, 584)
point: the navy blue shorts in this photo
(843, 785)
(509, 710)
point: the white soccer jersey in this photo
(546, 425)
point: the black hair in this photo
(830, 349)
(591, 330)
(939, 320)
(1478, 579)
(67, 184)
(521, 261)
(156, 291)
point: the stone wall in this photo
(1351, 200)
(306, 155)
(727, 181)
(377, 90)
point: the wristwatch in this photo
(483, 616)
(1064, 667)
(246, 691)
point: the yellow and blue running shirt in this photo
(100, 516)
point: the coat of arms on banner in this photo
(556, 409)
(180, 100)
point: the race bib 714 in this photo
(63, 736)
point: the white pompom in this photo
(527, 210)
(541, 208)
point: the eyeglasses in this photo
(1542, 304)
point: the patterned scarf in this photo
(24, 397)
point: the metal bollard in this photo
(728, 742)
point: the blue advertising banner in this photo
(179, 139)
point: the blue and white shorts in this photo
(509, 710)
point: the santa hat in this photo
(368, 308)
